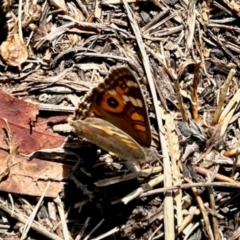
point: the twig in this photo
(194, 91)
(94, 229)
(60, 208)
(183, 186)
(204, 212)
(222, 96)
(191, 19)
(213, 208)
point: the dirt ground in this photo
(119, 119)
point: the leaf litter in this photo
(186, 56)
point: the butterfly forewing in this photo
(119, 100)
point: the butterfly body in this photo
(114, 116)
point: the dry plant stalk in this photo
(207, 224)
(174, 153)
(194, 92)
(222, 97)
(182, 108)
(214, 210)
(191, 19)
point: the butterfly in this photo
(114, 116)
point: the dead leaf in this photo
(21, 117)
(31, 177)
(14, 51)
(16, 110)
(17, 126)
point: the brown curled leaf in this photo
(14, 51)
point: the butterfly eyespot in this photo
(112, 102)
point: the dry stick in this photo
(222, 46)
(232, 7)
(168, 200)
(29, 222)
(191, 20)
(98, 9)
(201, 184)
(179, 96)
(127, 177)
(200, 46)
(228, 111)
(83, 8)
(94, 229)
(191, 231)
(194, 92)
(216, 25)
(137, 192)
(160, 23)
(203, 211)
(187, 220)
(161, 97)
(173, 145)
(60, 208)
(155, 20)
(232, 47)
(85, 225)
(12, 203)
(222, 97)
(106, 234)
(118, 179)
(20, 19)
(156, 230)
(56, 108)
(222, 8)
(232, 152)
(213, 208)
(218, 176)
(164, 32)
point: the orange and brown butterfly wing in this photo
(119, 100)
